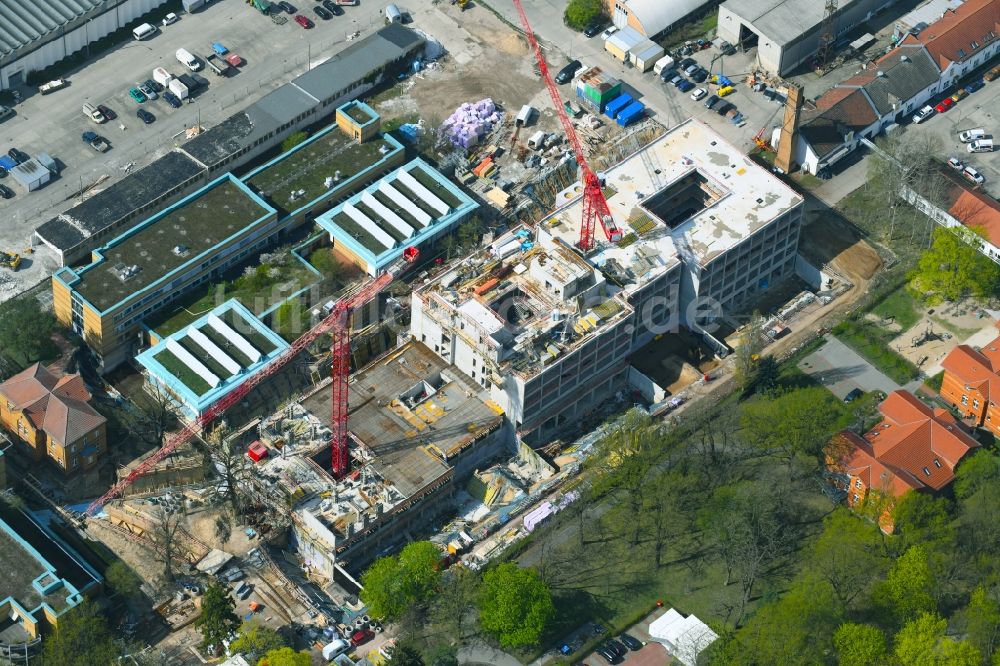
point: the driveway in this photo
(840, 369)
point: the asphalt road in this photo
(274, 54)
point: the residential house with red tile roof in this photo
(962, 39)
(914, 448)
(971, 384)
(889, 90)
(53, 417)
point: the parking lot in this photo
(54, 123)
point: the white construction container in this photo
(162, 76)
(537, 140)
(178, 88)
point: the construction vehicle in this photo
(11, 260)
(337, 323)
(595, 206)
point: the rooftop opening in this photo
(683, 199)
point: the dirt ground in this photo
(475, 43)
(826, 239)
(675, 361)
(940, 330)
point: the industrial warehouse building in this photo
(37, 33)
(652, 18)
(786, 32)
(305, 100)
(547, 332)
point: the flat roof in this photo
(37, 569)
(412, 205)
(784, 21)
(297, 178)
(403, 405)
(747, 196)
(195, 224)
(207, 360)
(323, 83)
(118, 201)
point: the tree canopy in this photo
(80, 638)
(581, 13)
(26, 331)
(257, 640)
(217, 619)
(953, 268)
(922, 642)
(859, 645)
(515, 605)
(391, 584)
(285, 656)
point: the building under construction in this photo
(418, 431)
(547, 331)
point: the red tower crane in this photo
(338, 322)
(595, 206)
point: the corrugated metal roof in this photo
(656, 15)
(25, 21)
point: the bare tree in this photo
(906, 163)
(748, 352)
(151, 417)
(232, 463)
(164, 533)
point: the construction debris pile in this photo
(471, 122)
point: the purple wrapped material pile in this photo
(471, 122)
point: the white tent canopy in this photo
(684, 637)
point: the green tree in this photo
(122, 580)
(257, 640)
(581, 13)
(906, 590)
(217, 619)
(81, 638)
(391, 584)
(442, 655)
(406, 654)
(293, 140)
(26, 330)
(982, 621)
(859, 645)
(285, 656)
(791, 631)
(922, 519)
(922, 642)
(515, 605)
(793, 424)
(978, 470)
(847, 555)
(953, 268)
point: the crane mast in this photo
(337, 322)
(595, 205)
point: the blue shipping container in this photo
(631, 113)
(616, 105)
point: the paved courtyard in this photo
(840, 369)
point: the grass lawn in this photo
(188, 377)
(872, 343)
(958, 331)
(901, 307)
(934, 382)
(207, 360)
(696, 29)
(435, 187)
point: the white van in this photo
(143, 31)
(969, 135)
(663, 63)
(980, 146)
(92, 112)
(335, 649)
(188, 60)
(392, 14)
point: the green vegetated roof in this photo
(305, 171)
(193, 226)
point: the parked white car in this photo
(923, 114)
(955, 163)
(171, 18)
(610, 30)
(698, 94)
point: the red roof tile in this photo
(859, 461)
(976, 210)
(58, 406)
(950, 38)
(913, 438)
(976, 368)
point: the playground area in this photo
(938, 330)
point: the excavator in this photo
(11, 260)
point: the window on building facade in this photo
(857, 484)
(856, 498)
(965, 399)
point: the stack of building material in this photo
(596, 88)
(471, 122)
